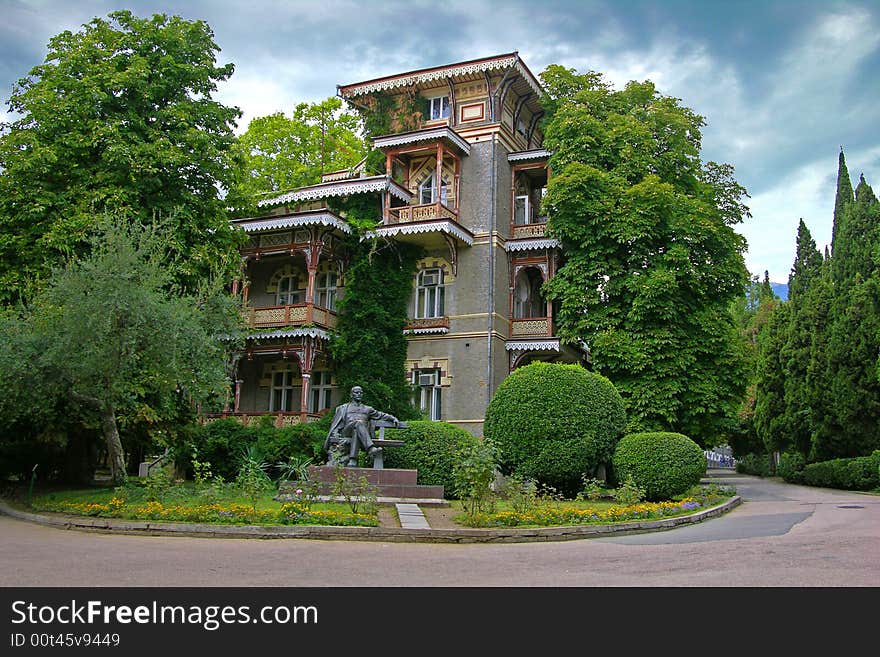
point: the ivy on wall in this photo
(384, 113)
(369, 347)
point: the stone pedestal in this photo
(392, 482)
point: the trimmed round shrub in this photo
(432, 448)
(555, 423)
(665, 464)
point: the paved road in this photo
(781, 536)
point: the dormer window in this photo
(438, 107)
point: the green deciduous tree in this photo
(652, 260)
(278, 153)
(118, 117)
(105, 336)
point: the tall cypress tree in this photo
(800, 339)
(853, 392)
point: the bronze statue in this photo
(353, 429)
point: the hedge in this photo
(432, 448)
(664, 464)
(857, 473)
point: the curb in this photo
(381, 534)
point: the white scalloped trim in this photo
(321, 218)
(419, 331)
(423, 135)
(536, 154)
(293, 333)
(529, 245)
(441, 74)
(340, 188)
(543, 345)
(427, 227)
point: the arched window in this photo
(428, 190)
(429, 293)
(288, 290)
(527, 300)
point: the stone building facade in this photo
(476, 311)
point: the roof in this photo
(320, 217)
(425, 75)
(343, 187)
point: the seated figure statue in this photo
(353, 429)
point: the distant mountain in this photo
(781, 290)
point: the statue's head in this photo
(357, 393)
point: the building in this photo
(465, 182)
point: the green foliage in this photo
(119, 118)
(142, 353)
(652, 259)
(629, 492)
(474, 474)
(252, 479)
(791, 467)
(277, 153)
(555, 422)
(220, 442)
(360, 495)
(858, 473)
(755, 464)
(369, 347)
(432, 448)
(158, 484)
(663, 464)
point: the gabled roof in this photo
(426, 75)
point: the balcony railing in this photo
(425, 212)
(427, 325)
(529, 230)
(281, 419)
(293, 315)
(531, 327)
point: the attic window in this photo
(438, 107)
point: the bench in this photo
(382, 441)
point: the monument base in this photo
(396, 483)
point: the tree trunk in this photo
(114, 446)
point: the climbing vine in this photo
(369, 348)
(384, 114)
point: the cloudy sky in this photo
(782, 84)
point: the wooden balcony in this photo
(425, 212)
(295, 315)
(280, 418)
(427, 325)
(531, 327)
(528, 231)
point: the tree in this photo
(652, 260)
(119, 117)
(278, 153)
(105, 334)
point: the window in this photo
(428, 392)
(288, 290)
(325, 290)
(521, 205)
(281, 396)
(429, 293)
(438, 107)
(428, 190)
(320, 391)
